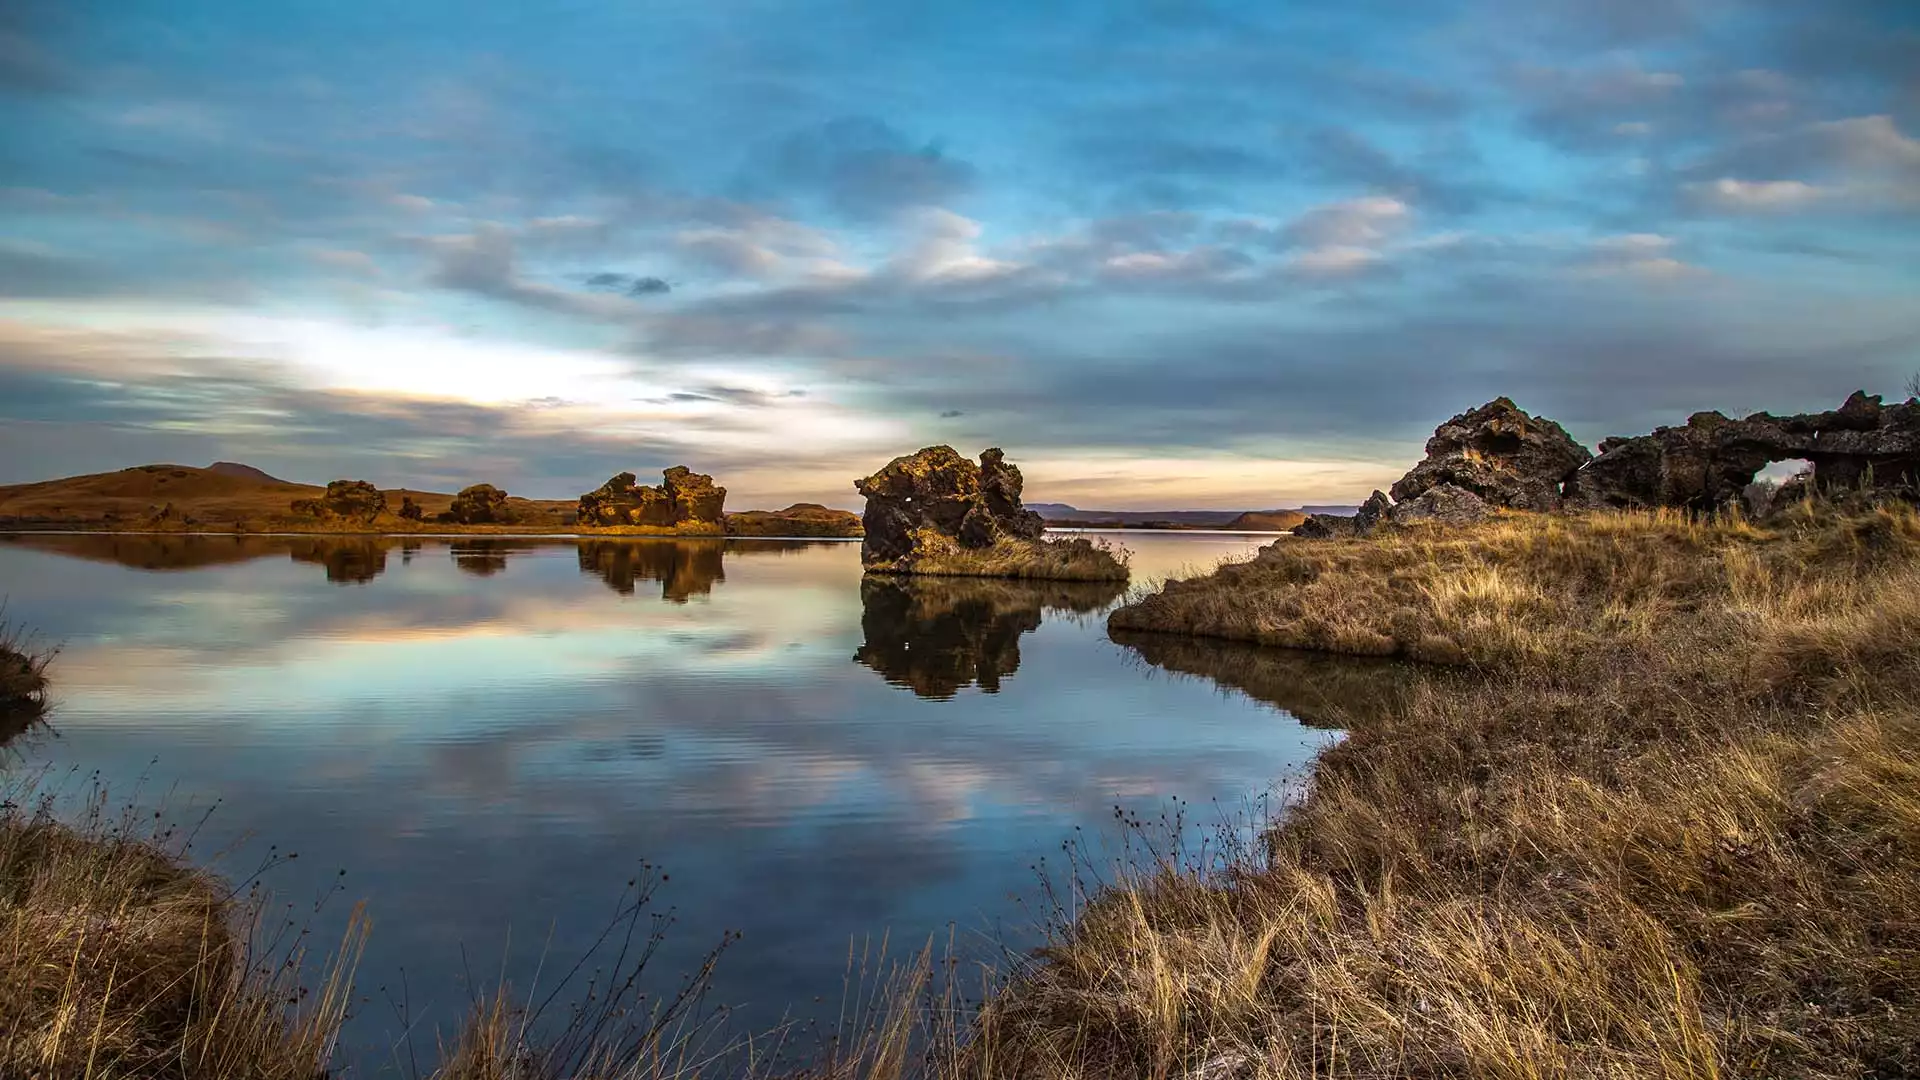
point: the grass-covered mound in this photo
(1673, 831)
(1072, 559)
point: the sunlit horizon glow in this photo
(1167, 256)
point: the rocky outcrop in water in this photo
(1708, 462)
(937, 493)
(481, 504)
(935, 512)
(683, 500)
(345, 500)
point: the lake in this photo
(488, 736)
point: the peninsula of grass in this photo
(1069, 559)
(1671, 828)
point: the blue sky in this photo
(1167, 254)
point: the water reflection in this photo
(1319, 690)
(349, 561)
(937, 636)
(153, 551)
(684, 568)
(489, 756)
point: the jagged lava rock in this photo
(937, 489)
(1499, 453)
(935, 512)
(684, 497)
(1708, 462)
(1443, 504)
(354, 500)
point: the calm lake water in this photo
(490, 735)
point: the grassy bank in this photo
(23, 678)
(1067, 559)
(1673, 830)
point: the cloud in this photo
(630, 284)
(1730, 194)
(485, 263)
(1364, 221)
(865, 168)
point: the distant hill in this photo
(244, 472)
(1061, 514)
(1266, 521)
(222, 494)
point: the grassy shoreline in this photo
(1665, 822)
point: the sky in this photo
(1167, 254)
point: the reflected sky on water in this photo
(490, 734)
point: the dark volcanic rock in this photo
(351, 500)
(683, 498)
(481, 504)
(1500, 454)
(1327, 526)
(1708, 462)
(937, 490)
(1372, 512)
(1444, 504)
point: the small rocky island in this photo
(936, 512)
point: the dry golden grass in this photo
(1074, 559)
(117, 960)
(1673, 831)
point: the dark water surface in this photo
(490, 735)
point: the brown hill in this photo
(175, 496)
(800, 519)
(244, 472)
(1266, 521)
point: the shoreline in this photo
(493, 532)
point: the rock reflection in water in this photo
(349, 560)
(936, 636)
(1319, 690)
(684, 568)
(485, 557)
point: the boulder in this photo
(1708, 462)
(1372, 512)
(684, 498)
(1443, 504)
(1499, 454)
(481, 504)
(350, 500)
(1327, 526)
